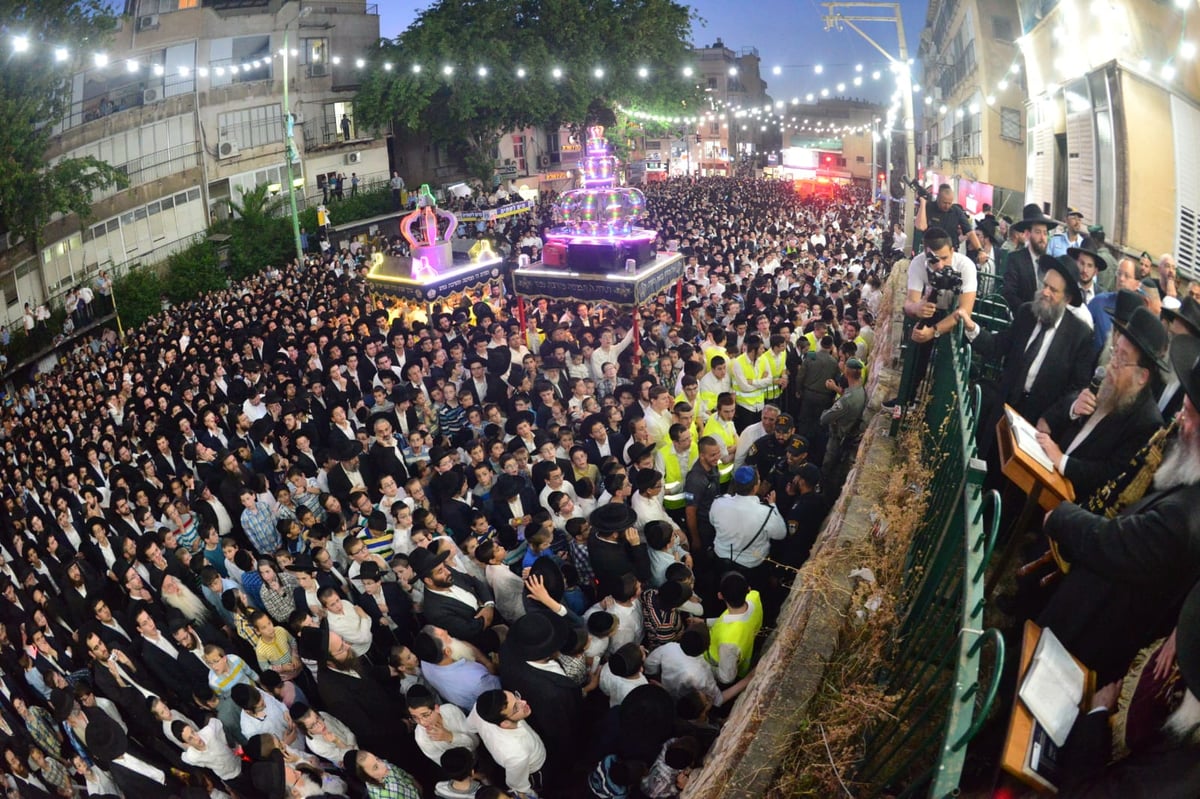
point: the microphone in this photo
(1097, 379)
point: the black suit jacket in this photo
(1020, 279)
(496, 392)
(1161, 771)
(1067, 368)
(374, 715)
(1129, 576)
(616, 445)
(182, 674)
(612, 561)
(339, 483)
(384, 460)
(1109, 447)
(502, 516)
(399, 609)
(455, 617)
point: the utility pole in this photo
(291, 154)
(886, 12)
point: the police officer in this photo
(785, 470)
(804, 518)
(843, 420)
(770, 449)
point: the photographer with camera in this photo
(940, 280)
(944, 213)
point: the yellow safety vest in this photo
(726, 433)
(751, 400)
(674, 474)
(713, 352)
(813, 344)
(775, 366)
(740, 633)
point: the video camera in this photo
(921, 191)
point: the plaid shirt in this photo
(42, 730)
(396, 785)
(579, 557)
(54, 773)
(259, 524)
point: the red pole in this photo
(637, 334)
(679, 301)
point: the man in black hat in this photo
(351, 472)
(1092, 435)
(136, 772)
(1129, 574)
(1023, 269)
(1047, 352)
(1166, 764)
(527, 665)
(1090, 265)
(1182, 322)
(615, 548)
(456, 602)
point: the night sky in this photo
(788, 33)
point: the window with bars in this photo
(1010, 124)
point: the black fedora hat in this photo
(1188, 314)
(1185, 360)
(268, 777)
(1031, 215)
(510, 426)
(537, 635)
(1146, 333)
(1070, 272)
(302, 563)
(1097, 258)
(423, 561)
(615, 517)
(1188, 641)
(346, 450)
(1126, 303)
(106, 740)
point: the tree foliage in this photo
(35, 94)
(469, 113)
(193, 271)
(259, 236)
(138, 296)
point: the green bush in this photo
(138, 296)
(192, 272)
(365, 205)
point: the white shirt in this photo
(461, 734)
(1040, 356)
(746, 440)
(509, 590)
(327, 749)
(650, 509)
(918, 275)
(519, 750)
(681, 673)
(352, 626)
(617, 688)
(216, 754)
(630, 625)
(275, 721)
(737, 521)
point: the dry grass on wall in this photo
(819, 759)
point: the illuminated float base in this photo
(618, 287)
(415, 278)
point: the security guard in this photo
(771, 448)
(678, 455)
(720, 426)
(785, 469)
(773, 363)
(843, 419)
(701, 486)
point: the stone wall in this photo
(745, 760)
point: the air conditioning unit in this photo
(353, 158)
(226, 148)
(151, 95)
(318, 70)
(148, 22)
(544, 161)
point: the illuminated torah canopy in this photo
(601, 209)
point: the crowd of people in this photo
(294, 539)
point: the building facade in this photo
(730, 80)
(973, 134)
(834, 140)
(187, 101)
(1113, 119)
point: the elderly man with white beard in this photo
(1130, 574)
(1162, 763)
(1092, 436)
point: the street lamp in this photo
(291, 155)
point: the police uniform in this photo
(769, 450)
